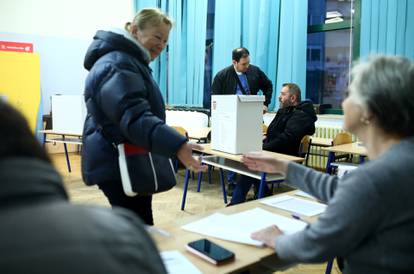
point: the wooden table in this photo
(199, 134)
(238, 157)
(247, 256)
(66, 138)
(233, 162)
(353, 148)
(321, 142)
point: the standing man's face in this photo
(242, 65)
(285, 98)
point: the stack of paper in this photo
(296, 205)
(238, 227)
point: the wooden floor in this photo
(166, 206)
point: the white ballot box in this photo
(236, 123)
(68, 113)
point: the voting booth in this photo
(236, 123)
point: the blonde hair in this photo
(149, 17)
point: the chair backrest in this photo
(264, 129)
(342, 138)
(181, 130)
(304, 148)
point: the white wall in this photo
(61, 32)
(66, 18)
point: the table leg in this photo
(200, 177)
(262, 186)
(187, 178)
(223, 186)
(66, 153)
(331, 159)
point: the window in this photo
(209, 54)
(333, 42)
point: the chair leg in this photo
(67, 157)
(223, 186)
(262, 186)
(331, 159)
(200, 177)
(329, 267)
(209, 174)
(187, 178)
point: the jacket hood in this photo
(307, 107)
(108, 41)
(25, 180)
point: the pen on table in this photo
(158, 230)
(297, 217)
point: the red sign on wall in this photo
(16, 46)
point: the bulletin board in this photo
(20, 83)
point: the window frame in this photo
(354, 24)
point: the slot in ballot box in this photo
(236, 123)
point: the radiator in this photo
(318, 157)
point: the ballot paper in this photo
(296, 205)
(303, 194)
(177, 263)
(238, 227)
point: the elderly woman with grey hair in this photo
(369, 221)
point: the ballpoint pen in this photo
(297, 217)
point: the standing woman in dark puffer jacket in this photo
(124, 103)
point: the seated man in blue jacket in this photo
(292, 122)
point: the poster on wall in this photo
(16, 46)
(20, 78)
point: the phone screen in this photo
(211, 250)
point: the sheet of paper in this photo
(220, 226)
(238, 227)
(177, 263)
(304, 194)
(296, 205)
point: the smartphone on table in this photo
(210, 251)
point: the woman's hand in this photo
(185, 155)
(259, 162)
(267, 235)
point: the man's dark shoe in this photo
(230, 188)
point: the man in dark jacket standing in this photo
(292, 122)
(242, 78)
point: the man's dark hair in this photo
(293, 90)
(17, 139)
(239, 53)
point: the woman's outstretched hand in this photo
(267, 235)
(259, 162)
(185, 155)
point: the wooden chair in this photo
(188, 173)
(340, 139)
(304, 148)
(264, 129)
(181, 130)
